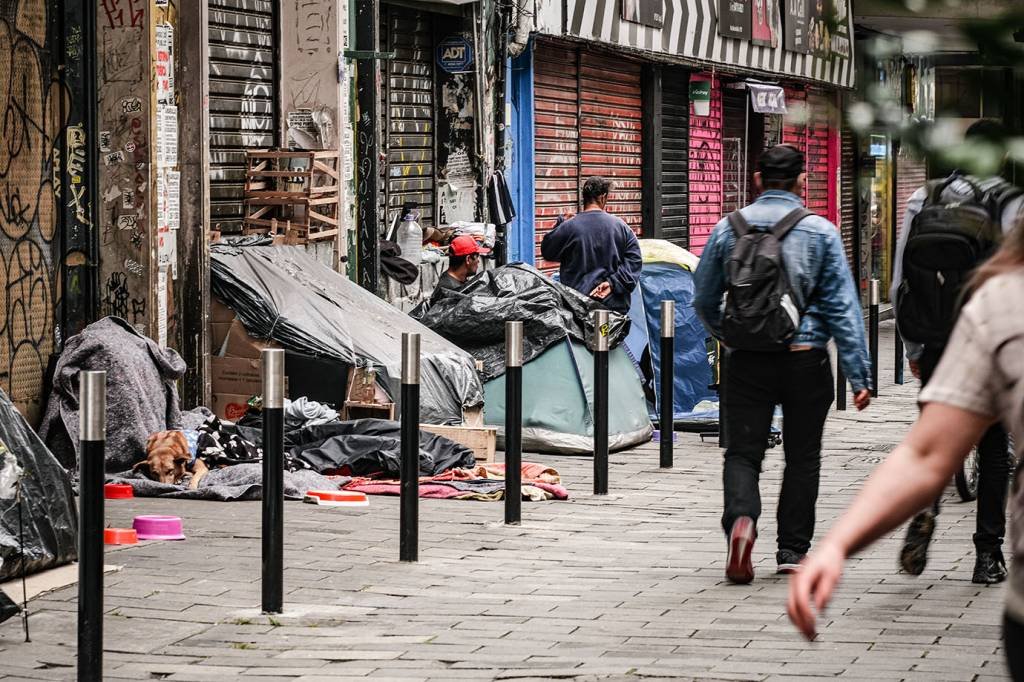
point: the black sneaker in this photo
(788, 561)
(989, 568)
(914, 555)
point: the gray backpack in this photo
(762, 312)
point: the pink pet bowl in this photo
(158, 527)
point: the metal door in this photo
(675, 156)
(242, 100)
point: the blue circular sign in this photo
(455, 54)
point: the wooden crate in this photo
(293, 193)
(482, 440)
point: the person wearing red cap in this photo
(463, 262)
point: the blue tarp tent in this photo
(668, 275)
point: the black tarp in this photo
(283, 293)
(49, 514)
(365, 447)
(474, 317)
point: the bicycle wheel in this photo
(966, 478)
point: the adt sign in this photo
(455, 54)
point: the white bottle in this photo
(410, 239)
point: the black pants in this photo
(754, 383)
(993, 475)
(1013, 645)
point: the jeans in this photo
(993, 474)
(754, 383)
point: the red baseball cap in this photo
(465, 245)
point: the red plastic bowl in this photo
(118, 491)
(337, 498)
(120, 536)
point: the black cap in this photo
(781, 162)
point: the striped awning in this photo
(690, 30)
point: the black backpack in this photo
(947, 241)
(762, 313)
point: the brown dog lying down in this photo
(168, 460)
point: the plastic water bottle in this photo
(410, 239)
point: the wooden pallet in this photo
(293, 193)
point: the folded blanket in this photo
(485, 482)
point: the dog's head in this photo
(167, 457)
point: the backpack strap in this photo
(789, 221)
(739, 224)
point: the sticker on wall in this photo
(164, 63)
(114, 157)
(161, 307)
(459, 170)
(167, 136)
(104, 140)
(455, 54)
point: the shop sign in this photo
(767, 99)
(734, 19)
(762, 23)
(795, 25)
(841, 37)
(646, 12)
(455, 55)
(700, 97)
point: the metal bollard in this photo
(668, 377)
(840, 385)
(898, 357)
(513, 422)
(273, 480)
(873, 335)
(409, 522)
(92, 403)
(600, 402)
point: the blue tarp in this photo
(693, 376)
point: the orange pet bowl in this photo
(336, 498)
(120, 536)
(118, 491)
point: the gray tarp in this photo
(238, 482)
(284, 294)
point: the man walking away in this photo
(787, 289)
(951, 226)
(598, 253)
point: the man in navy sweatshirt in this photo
(598, 253)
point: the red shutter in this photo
(911, 174)
(794, 126)
(556, 135)
(705, 171)
(848, 193)
(610, 130)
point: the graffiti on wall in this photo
(29, 99)
(313, 79)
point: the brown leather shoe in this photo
(738, 567)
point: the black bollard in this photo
(513, 422)
(873, 335)
(898, 357)
(409, 522)
(273, 480)
(600, 402)
(92, 402)
(668, 378)
(840, 385)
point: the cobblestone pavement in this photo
(623, 587)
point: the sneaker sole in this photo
(788, 569)
(739, 568)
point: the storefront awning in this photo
(767, 99)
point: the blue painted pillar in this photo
(519, 79)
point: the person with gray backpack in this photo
(773, 286)
(952, 226)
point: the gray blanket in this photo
(141, 394)
(239, 482)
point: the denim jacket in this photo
(818, 273)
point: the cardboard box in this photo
(220, 312)
(241, 345)
(239, 376)
(229, 406)
(218, 334)
(482, 440)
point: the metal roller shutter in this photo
(242, 100)
(734, 135)
(611, 130)
(794, 123)
(675, 155)
(911, 174)
(848, 193)
(706, 172)
(409, 90)
(819, 177)
(556, 138)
